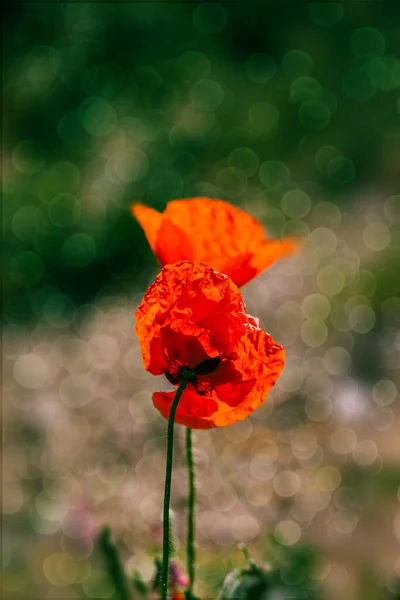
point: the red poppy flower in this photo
(194, 318)
(214, 232)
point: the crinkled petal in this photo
(258, 358)
(189, 313)
(234, 390)
(192, 314)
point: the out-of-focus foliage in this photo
(289, 111)
(111, 103)
(290, 573)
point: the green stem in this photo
(191, 557)
(187, 376)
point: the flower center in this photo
(204, 368)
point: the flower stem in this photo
(191, 557)
(167, 489)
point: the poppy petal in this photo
(189, 309)
(261, 360)
(173, 245)
(212, 231)
(272, 250)
(234, 390)
(193, 410)
(240, 268)
(189, 347)
(150, 220)
(217, 229)
(194, 317)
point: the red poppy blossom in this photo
(214, 232)
(194, 318)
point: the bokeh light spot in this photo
(264, 118)
(367, 41)
(316, 306)
(330, 280)
(297, 63)
(28, 157)
(365, 453)
(337, 361)
(244, 159)
(286, 483)
(206, 95)
(194, 65)
(318, 409)
(343, 440)
(130, 166)
(27, 268)
(288, 532)
(238, 432)
(326, 214)
(64, 210)
(376, 236)
(380, 73)
(296, 204)
(79, 250)
(64, 176)
(260, 68)
(324, 155)
(341, 170)
(76, 390)
(314, 333)
(50, 569)
(138, 408)
(31, 371)
(245, 528)
(25, 221)
(97, 116)
(231, 181)
(150, 508)
(305, 89)
(328, 478)
(58, 310)
(314, 114)
(324, 241)
(384, 392)
(361, 318)
(392, 208)
(274, 175)
(105, 351)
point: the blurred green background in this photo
(290, 111)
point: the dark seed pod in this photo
(207, 366)
(251, 584)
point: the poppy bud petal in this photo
(173, 245)
(214, 232)
(150, 220)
